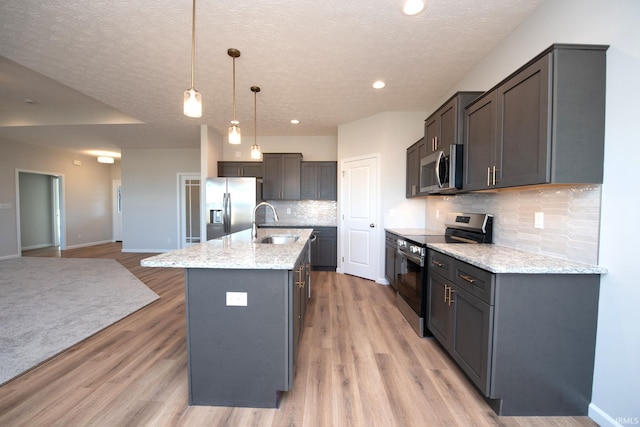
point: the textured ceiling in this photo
(110, 74)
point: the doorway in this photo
(39, 210)
(189, 215)
(359, 208)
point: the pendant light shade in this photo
(192, 98)
(255, 148)
(234, 129)
(192, 103)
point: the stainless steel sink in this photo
(279, 239)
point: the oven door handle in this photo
(413, 258)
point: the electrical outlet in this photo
(538, 221)
(288, 211)
(437, 213)
(237, 299)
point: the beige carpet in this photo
(49, 304)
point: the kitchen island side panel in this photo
(544, 343)
(237, 355)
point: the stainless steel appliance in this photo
(229, 204)
(411, 276)
(441, 172)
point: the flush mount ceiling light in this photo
(295, 121)
(234, 130)
(413, 7)
(255, 148)
(192, 98)
(379, 84)
(105, 159)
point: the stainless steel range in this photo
(411, 271)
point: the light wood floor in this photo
(360, 364)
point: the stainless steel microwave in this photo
(441, 172)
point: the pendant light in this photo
(255, 148)
(192, 98)
(234, 129)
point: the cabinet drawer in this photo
(475, 280)
(441, 264)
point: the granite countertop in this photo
(236, 251)
(503, 259)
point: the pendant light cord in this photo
(234, 89)
(193, 46)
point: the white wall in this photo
(313, 148)
(616, 390)
(150, 196)
(387, 134)
(86, 193)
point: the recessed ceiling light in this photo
(295, 121)
(413, 7)
(379, 84)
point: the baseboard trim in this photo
(84, 245)
(10, 256)
(601, 417)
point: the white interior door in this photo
(116, 192)
(359, 212)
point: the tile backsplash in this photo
(309, 212)
(571, 218)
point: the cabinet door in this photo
(432, 133)
(272, 179)
(328, 181)
(324, 250)
(523, 133)
(439, 312)
(309, 181)
(479, 145)
(472, 336)
(447, 116)
(252, 169)
(291, 176)
(413, 172)
(390, 260)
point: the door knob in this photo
(372, 225)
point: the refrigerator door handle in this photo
(225, 213)
(229, 213)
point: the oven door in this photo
(410, 281)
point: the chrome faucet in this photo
(254, 229)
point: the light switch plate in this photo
(236, 299)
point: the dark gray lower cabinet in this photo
(391, 247)
(324, 251)
(244, 355)
(527, 341)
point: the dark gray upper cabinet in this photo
(414, 153)
(544, 124)
(319, 181)
(445, 126)
(233, 169)
(441, 129)
(281, 179)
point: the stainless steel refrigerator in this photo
(230, 203)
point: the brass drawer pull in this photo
(437, 263)
(467, 278)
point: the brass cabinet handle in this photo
(446, 291)
(488, 176)
(467, 278)
(437, 263)
(494, 175)
(451, 291)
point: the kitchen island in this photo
(245, 304)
